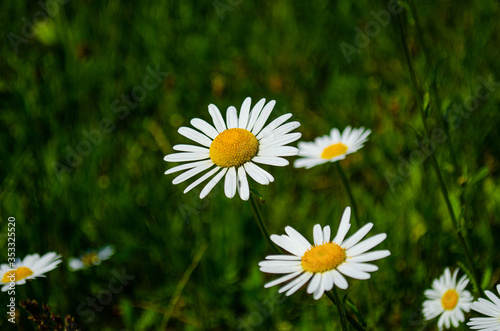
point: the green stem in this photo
(351, 319)
(341, 309)
(435, 163)
(345, 181)
(262, 226)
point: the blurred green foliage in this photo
(66, 75)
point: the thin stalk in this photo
(355, 324)
(262, 226)
(435, 164)
(345, 181)
(341, 309)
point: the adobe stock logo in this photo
(372, 29)
(95, 304)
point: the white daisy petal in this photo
(232, 118)
(212, 183)
(282, 140)
(287, 244)
(320, 290)
(273, 125)
(279, 151)
(302, 280)
(326, 233)
(283, 257)
(204, 127)
(254, 114)
(339, 280)
(318, 235)
(280, 131)
(195, 136)
(271, 160)
(269, 177)
(343, 227)
(282, 279)
(201, 179)
(217, 118)
(182, 157)
(244, 113)
(370, 256)
(314, 283)
(298, 238)
(264, 115)
(190, 148)
(190, 173)
(243, 188)
(230, 183)
(366, 244)
(256, 175)
(355, 238)
(187, 166)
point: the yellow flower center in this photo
(450, 300)
(16, 274)
(323, 257)
(233, 148)
(334, 150)
(90, 259)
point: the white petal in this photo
(265, 173)
(278, 151)
(282, 140)
(280, 270)
(308, 163)
(282, 279)
(273, 125)
(366, 245)
(339, 280)
(328, 280)
(326, 234)
(256, 175)
(318, 235)
(230, 183)
(184, 157)
(283, 257)
(314, 283)
(212, 183)
(319, 292)
(204, 127)
(190, 173)
(187, 166)
(244, 113)
(287, 244)
(297, 238)
(371, 256)
(302, 280)
(254, 114)
(259, 124)
(243, 188)
(352, 272)
(355, 238)
(217, 117)
(190, 148)
(195, 136)
(343, 227)
(201, 179)
(280, 131)
(271, 160)
(232, 118)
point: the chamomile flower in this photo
(91, 258)
(30, 267)
(448, 299)
(331, 148)
(488, 308)
(233, 148)
(326, 262)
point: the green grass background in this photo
(66, 78)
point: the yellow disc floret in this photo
(16, 274)
(334, 150)
(233, 148)
(90, 259)
(449, 300)
(323, 258)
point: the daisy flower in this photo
(31, 267)
(448, 299)
(91, 258)
(489, 308)
(326, 262)
(233, 148)
(331, 148)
